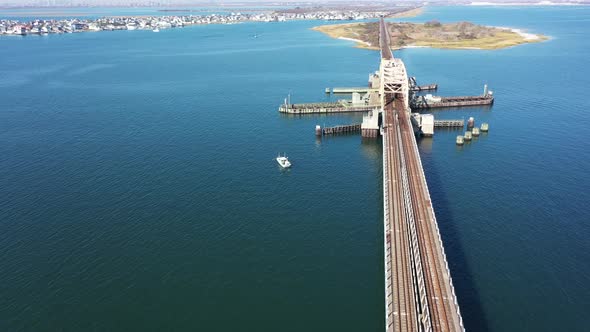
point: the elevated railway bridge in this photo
(419, 292)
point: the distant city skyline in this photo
(61, 3)
(131, 3)
(98, 2)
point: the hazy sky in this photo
(170, 2)
(163, 2)
(114, 2)
(145, 2)
(96, 2)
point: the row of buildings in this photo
(39, 26)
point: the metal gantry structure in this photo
(419, 290)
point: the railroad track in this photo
(420, 296)
(419, 290)
(402, 309)
(408, 310)
(444, 311)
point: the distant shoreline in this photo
(176, 7)
(195, 5)
(528, 4)
(157, 22)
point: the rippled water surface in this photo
(139, 191)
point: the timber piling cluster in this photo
(343, 129)
(448, 123)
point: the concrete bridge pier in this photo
(370, 125)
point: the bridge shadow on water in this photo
(470, 301)
(372, 148)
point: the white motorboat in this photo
(283, 161)
(156, 30)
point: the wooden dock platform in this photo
(421, 102)
(318, 108)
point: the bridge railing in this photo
(419, 283)
(386, 243)
(440, 243)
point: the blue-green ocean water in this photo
(138, 189)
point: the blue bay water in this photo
(139, 189)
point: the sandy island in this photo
(461, 35)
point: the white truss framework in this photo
(394, 78)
